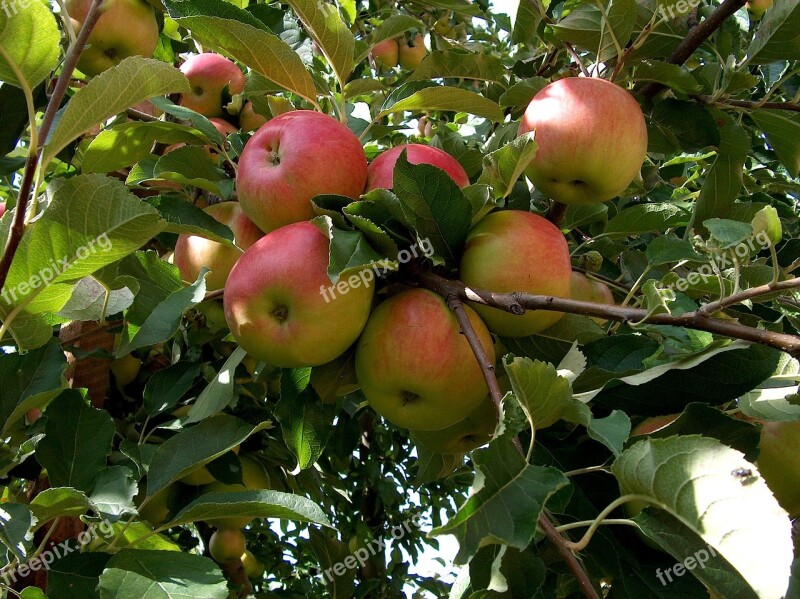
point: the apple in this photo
(410, 55)
(415, 367)
(757, 8)
(778, 463)
(473, 431)
(249, 119)
(591, 290)
(254, 477)
(386, 53)
(211, 76)
(335, 379)
(2, 208)
(227, 545)
(125, 28)
(381, 170)
(514, 250)
(279, 304)
(156, 510)
(651, 425)
(294, 157)
(126, 369)
(252, 567)
(193, 252)
(592, 140)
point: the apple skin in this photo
(125, 28)
(294, 157)
(249, 119)
(592, 140)
(591, 290)
(254, 478)
(386, 53)
(415, 367)
(2, 208)
(410, 56)
(473, 431)
(193, 252)
(227, 545)
(274, 302)
(209, 74)
(252, 567)
(514, 250)
(157, 509)
(126, 369)
(651, 425)
(381, 170)
(778, 463)
(757, 8)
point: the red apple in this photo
(591, 290)
(227, 545)
(249, 119)
(210, 75)
(415, 367)
(651, 425)
(757, 8)
(386, 53)
(592, 140)
(410, 55)
(278, 302)
(125, 28)
(380, 171)
(473, 431)
(193, 252)
(513, 250)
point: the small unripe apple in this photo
(126, 369)
(591, 290)
(473, 431)
(156, 510)
(778, 463)
(651, 425)
(415, 367)
(592, 140)
(410, 55)
(249, 119)
(252, 567)
(514, 250)
(227, 545)
(385, 53)
(254, 478)
(125, 28)
(380, 173)
(757, 8)
(210, 76)
(194, 252)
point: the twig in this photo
(18, 227)
(557, 213)
(748, 294)
(793, 107)
(140, 116)
(517, 303)
(695, 39)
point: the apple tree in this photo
(297, 297)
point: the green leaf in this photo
(694, 479)
(503, 167)
(195, 447)
(506, 500)
(329, 552)
(445, 98)
(586, 27)
(128, 143)
(218, 394)
(612, 431)
(166, 387)
(526, 22)
(77, 441)
(161, 574)
(674, 76)
(58, 501)
(332, 35)
(131, 81)
(350, 251)
(29, 43)
(304, 422)
(371, 219)
(434, 206)
(185, 218)
(92, 301)
(521, 93)
(190, 166)
(433, 466)
(459, 64)
(776, 37)
(670, 248)
(113, 492)
(646, 218)
(255, 504)
(30, 380)
(16, 522)
(728, 232)
(783, 133)
(76, 575)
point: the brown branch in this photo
(748, 104)
(138, 115)
(517, 303)
(749, 294)
(457, 306)
(697, 35)
(18, 227)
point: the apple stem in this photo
(557, 213)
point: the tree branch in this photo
(18, 227)
(748, 104)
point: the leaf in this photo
(77, 441)
(459, 64)
(191, 167)
(669, 248)
(674, 76)
(777, 35)
(113, 492)
(783, 133)
(728, 233)
(612, 431)
(185, 218)
(526, 22)
(304, 422)
(218, 394)
(131, 81)
(76, 575)
(507, 498)
(331, 34)
(58, 501)
(29, 43)
(30, 380)
(434, 206)
(128, 143)
(195, 447)
(92, 301)
(432, 466)
(350, 251)
(255, 504)
(646, 218)
(587, 27)
(161, 574)
(694, 479)
(503, 167)
(16, 522)
(166, 387)
(329, 552)
(445, 98)
(522, 92)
